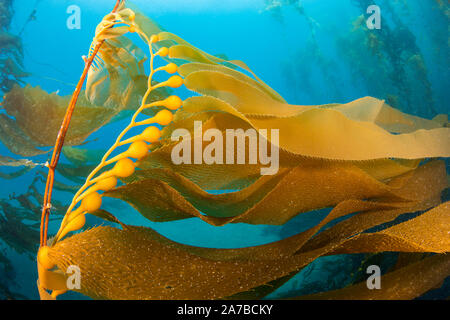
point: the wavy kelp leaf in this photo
(168, 196)
(214, 115)
(237, 176)
(363, 221)
(138, 263)
(432, 226)
(189, 68)
(366, 109)
(188, 53)
(181, 49)
(211, 177)
(241, 93)
(406, 283)
(16, 140)
(167, 36)
(327, 133)
(26, 210)
(32, 107)
(378, 112)
(112, 33)
(144, 267)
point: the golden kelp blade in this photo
(241, 91)
(138, 263)
(238, 176)
(161, 195)
(434, 226)
(135, 264)
(324, 132)
(378, 112)
(406, 283)
(31, 107)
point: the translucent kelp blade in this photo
(239, 90)
(329, 134)
(188, 53)
(32, 107)
(168, 196)
(16, 140)
(215, 115)
(181, 49)
(189, 68)
(433, 226)
(378, 112)
(164, 36)
(119, 81)
(137, 263)
(233, 87)
(241, 94)
(238, 176)
(406, 283)
(363, 221)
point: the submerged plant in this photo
(364, 159)
(388, 60)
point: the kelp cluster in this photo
(11, 72)
(386, 63)
(394, 68)
(367, 161)
(11, 50)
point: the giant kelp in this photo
(386, 63)
(11, 50)
(330, 156)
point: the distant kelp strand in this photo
(401, 73)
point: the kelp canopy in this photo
(367, 161)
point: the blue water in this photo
(273, 47)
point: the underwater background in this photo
(310, 51)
